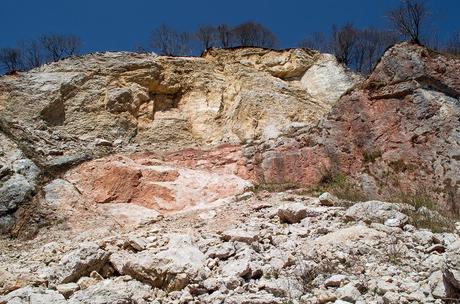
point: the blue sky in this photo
(125, 24)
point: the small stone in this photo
(391, 298)
(292, 213)
(335, 280)
(67, 289)
(327, 199)
(436, 248)
(240, 235)
(348, 293)
(136, 243)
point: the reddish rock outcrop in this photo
(181, 181)
(397, 132)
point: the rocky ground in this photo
(262, 247)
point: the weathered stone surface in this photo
(240, 235)
(292, 212)
(327, 199)
(171, 269)
(114, 291)
(35, 295)
(396, 133)
(18, 180)
(376, 211)
(451, 267)
(165, 186)
(80, 262)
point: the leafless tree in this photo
(317, 41)
(58, 46)
(409, 19)
(225, 35)
(370, 45)
(254, 34)
(32, 53)
(11, 59)
(453, 44)
(343, 42)
(167, 41)
(206, 35)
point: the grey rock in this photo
(451, 267)
(240, 235)
(114, 291)
(33, 295)
(80, 262)
(348, 293)
(377, 211)
(327, 199)
(171, 269)
(292, 212)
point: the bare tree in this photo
(343, 42)
(317, 41)
(11, 59)
(225, 35)
(32, 54)
(453, 44)
(254, 34)
(370, 45)
(206, 35)
(167, 41)
(59, 46)
(409, 19)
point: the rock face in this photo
(83, 108)
(395, 132)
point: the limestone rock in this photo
(327, 199)
(292, 212)
(379, 133)
(376, 211)
(451, 267)
(349, 293)
(80, 262)
(240, 235)
(171, 269)
(35, 295)
(113, 291)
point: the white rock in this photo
(327, 199)
(335, 280)
(240, 235)
(451, 267)
(292, 212)
(348, 293)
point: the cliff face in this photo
(398, 131)
(78, 109)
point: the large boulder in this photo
(80, 262)
(171, 269)
(377, 211)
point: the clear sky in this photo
(126, 24)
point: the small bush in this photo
(371, 156)
(338, 184)
(394, 253)
(426, 214)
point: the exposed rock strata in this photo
(395, 132)
(69, 112)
